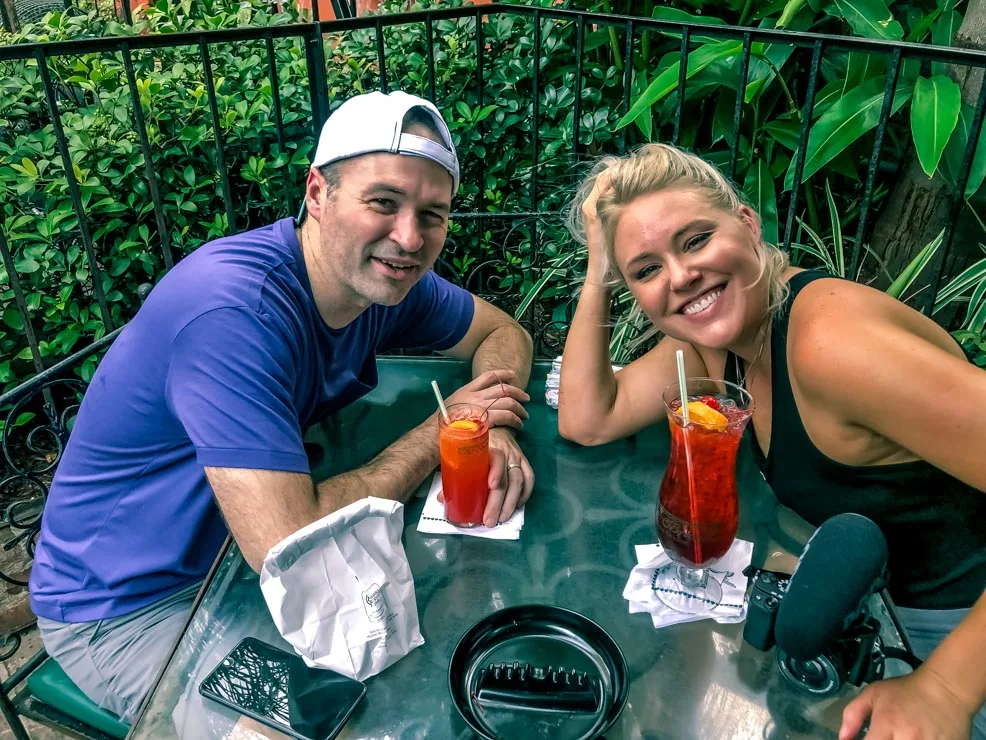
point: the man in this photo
(196, 414)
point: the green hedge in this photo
(493, 138)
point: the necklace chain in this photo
(747, 369)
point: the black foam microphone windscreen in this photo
(843, 563)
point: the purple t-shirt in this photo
(225, 365)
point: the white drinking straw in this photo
(679, 356)
(441, 401)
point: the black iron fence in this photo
(812, 47)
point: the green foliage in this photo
(492, 132)
(39, 221)
(926, 113)
(530, 266)
(967, 289)
(974, 345)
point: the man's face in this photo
(383, 227)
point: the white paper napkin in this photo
(728, 571)
(433, 519)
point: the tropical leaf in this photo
(534, 292)
(915, 267)
(722, 117)
(819, 249)
(644, 122)
(765, 61)
(667, 80)
(673, 14)
(791, 9)
(955, 153)
(975, 316)
(786, 133)
(919, 29)
(759, 189)
(944, 29)
(861, 67)
(934, 113)
(837, 246)
(842, 124)
(870, 18)
(958, 285)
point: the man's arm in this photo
(262, 507)
(495, 341)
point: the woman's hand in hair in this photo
(595, 239)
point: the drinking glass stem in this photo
(691, 577)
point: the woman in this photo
(862, 404)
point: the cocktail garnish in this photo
(712, 402)
(705, 415)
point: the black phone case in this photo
(253, 680)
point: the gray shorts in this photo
(114, 661)
(926, 628)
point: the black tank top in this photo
(935, 525)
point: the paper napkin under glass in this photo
(651, 559)
(433, 519)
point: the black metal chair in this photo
(31, 11)
(36, 430)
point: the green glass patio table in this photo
(590, 507)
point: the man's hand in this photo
(492, 391)
(511, 478)
(919, 706)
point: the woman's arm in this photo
(595, 405)
(938, 700)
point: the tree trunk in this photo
(918, 207)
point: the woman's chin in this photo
(715, 335)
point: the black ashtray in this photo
(538, 672)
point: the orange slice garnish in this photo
(465, 425)
(703, 414)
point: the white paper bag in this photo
(341, 591)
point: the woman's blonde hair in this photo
(656, 167)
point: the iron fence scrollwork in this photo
(35, 432)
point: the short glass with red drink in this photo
(464, 443)
(698, 505)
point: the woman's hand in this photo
(919, 706)
(595, 240)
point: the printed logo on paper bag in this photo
(376, 607)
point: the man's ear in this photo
(752, 220)
(316, 192)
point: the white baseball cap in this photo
(370, 123)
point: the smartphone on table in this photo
(275, 687)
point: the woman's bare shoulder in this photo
(831, 311)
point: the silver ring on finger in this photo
(511, 466)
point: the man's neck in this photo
(337, 306)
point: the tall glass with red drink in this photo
(698, 505)
(464, 444)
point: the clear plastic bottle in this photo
(551, 383)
